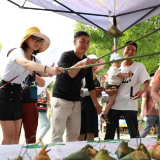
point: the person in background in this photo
(66, 105)
(124, 104)
(18, 66)
(43, 121)
(150, 109)
(89, 117)
(30, 111)
(156, 87)
(114, 79)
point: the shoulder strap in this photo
(34, 73)
(34, 57)
(18, 75)
(8, 82)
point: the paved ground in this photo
(47, 138)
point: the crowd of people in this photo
(76, 93)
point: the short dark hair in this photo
(152, 74)
(25, 46)
(133, 43)
(80, 33)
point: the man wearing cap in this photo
(66, 106)
(124, 104)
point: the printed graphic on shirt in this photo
(127, 79)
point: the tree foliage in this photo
(0, 46)
(100, 43)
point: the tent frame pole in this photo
(115, 39)
(115, 44)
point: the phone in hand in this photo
(131, 93)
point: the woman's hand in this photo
(54, 70)
(99, 108)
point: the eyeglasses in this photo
(37, 40)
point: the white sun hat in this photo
(115, 56)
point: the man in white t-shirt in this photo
(124, 104)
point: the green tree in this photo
(0, 46)
(100, 43)
(150, 44)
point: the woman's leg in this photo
(17, 128)
(44, 124)
(8, 131)
(90, 136)
(81, 137)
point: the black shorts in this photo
(11, 105)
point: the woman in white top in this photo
(114, 80)
(20, 63)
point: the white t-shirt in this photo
(139, 75)
(112, 76)
(13, 69)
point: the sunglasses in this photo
(37, 40)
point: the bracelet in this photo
(45, 69)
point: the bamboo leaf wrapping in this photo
(103, 155)
(123, 149)
(86, 153)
